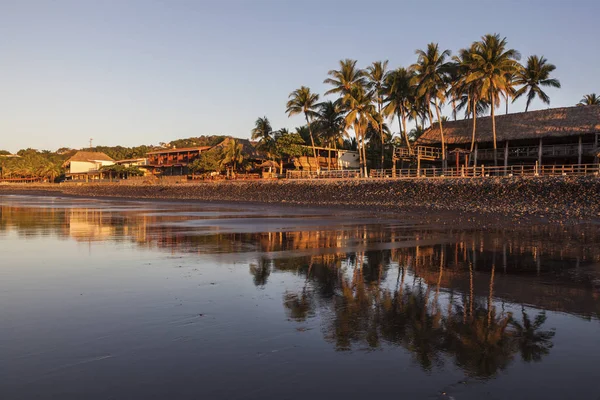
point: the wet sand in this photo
(556, 199)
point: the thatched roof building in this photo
(552, 123)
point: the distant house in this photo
(85, 165)
(173, 161)
(568, 135)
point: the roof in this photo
(129, 160)
(88, 156)
(269, 164)
(554, 122)
(181, 150)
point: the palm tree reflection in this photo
(360, 309)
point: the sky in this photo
(132, 72)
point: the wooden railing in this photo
(484, 171)
(422, 151)
(557, 150)
(333, 174)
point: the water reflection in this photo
(475, 299)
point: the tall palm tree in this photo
(431, 77)
(361, 113)
(465, 89)
(345, 79)
(591, 99)
(493, 62)
(376, 75)
(400, 95)
(534, 76)
(330, 123)
(303, 101)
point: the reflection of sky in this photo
(157, 322)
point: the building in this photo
(327, 158)
(85, 165)
(555, 136)
(173, 161)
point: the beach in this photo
(558, 199)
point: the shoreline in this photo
(556, 199)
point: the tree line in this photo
(475, 81)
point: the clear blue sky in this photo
(144, 71)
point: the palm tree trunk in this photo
(507, 103)
(454, 108)
(381, 131)
(437, 111)
(493, 106)
(364, 149)
(312, 142)
(474, 110)
(403, 129)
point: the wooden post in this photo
(580, 151)
(505, 157)
(418, 164)
(475, 157)
(540, 154)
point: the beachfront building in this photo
(86, 165)
(558, 136)
(173, 161)
(327, 159)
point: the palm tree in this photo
(345, 79)
(233, 154)
(465, 90)
(589, 100)
(493, 63)
(534, 76)
(330, 124)
(376, 75)
(303, 101)
(262, 129)
(400, 93)
(431, 77)
(361, 113)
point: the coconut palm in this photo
(330, 123)
(262, 129)
(431, 72)
(534, 76)
(345, 79)
(493, 63)
(233, 154)
(466, 90)
(361, 113)
(589, 100)
(303, 101)
(400, 93)
(375, 75)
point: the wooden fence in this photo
(485, 171)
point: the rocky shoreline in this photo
(554, 198)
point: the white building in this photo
(85, 163)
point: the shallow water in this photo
(153, 300)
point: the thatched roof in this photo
(88, 156)
(269, 164)
(555, 122)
